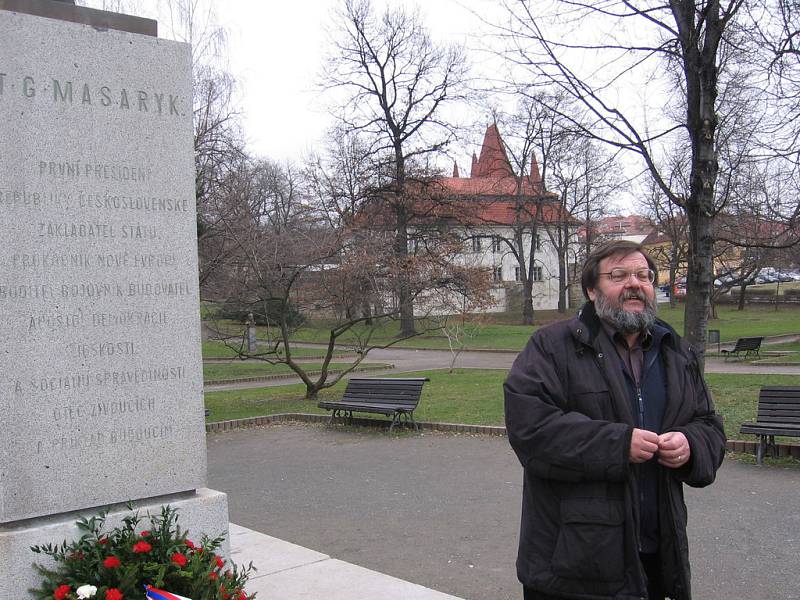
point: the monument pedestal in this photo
(101, 383)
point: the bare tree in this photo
(392, 82)
(629, 37)
(286, 260)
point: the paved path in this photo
(442, 510)
(405, 360)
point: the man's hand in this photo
(644, 444)
(673, 449)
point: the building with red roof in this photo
(499, 211)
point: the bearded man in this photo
(609, 415)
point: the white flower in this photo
(86, 591)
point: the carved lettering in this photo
(76, 230)
(86, 97)
(28, 89)
(104, 349)
(26, 292)
(161, 288)
(50, 261)
(62, 94)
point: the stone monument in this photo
(101, 391)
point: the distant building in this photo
(633, 227)
(493, 206)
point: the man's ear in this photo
(592, 294)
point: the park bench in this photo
(750, 346)
(394, 397)
(778, 414)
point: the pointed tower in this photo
(535, 177)
(474, 168)
(493, 161)
(455, 169)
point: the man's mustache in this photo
(633, 295)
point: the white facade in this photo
(486, 247)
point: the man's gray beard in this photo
(625, 321)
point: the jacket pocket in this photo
(591, 542)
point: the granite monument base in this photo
(201, 512)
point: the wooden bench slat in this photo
(778, 414)
(395, 397)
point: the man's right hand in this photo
(644, 444)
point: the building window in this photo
(537, 242)
(497, 274)
(497, 244)
(476, 244)
(517, 274)
(537, 273)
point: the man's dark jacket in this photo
(569, 420)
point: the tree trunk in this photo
(527, 302)
(700, 70)
(740, 305)
(404, 295)
(563, 274)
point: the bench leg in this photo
(762, 446)
(771, 447)
(395, 421)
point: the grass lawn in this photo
(474, 396)
(755, 320)
(243, 370)
(503, 333)
(216, 349)
(786, 359)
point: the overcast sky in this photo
(275, 52)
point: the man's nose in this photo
(633, 281)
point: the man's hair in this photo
(591, 268)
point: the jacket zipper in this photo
(640, 402)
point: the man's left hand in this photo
(673, 449)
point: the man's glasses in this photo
(622, 275)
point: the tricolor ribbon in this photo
(154, 594)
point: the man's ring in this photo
(680, 456)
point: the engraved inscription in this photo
(80, 93)
(100, 171)
(104, 349)
(103, 438)
(103, 408)
(97, 230)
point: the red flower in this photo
(219, 561)
(145, 533)
(75, 556)
(111, 562)
(189, 544)
(213, 576)
(242, 596)
(102, 540)
(113, 594)
(141, 547)
(179, 559)
(61, 592)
